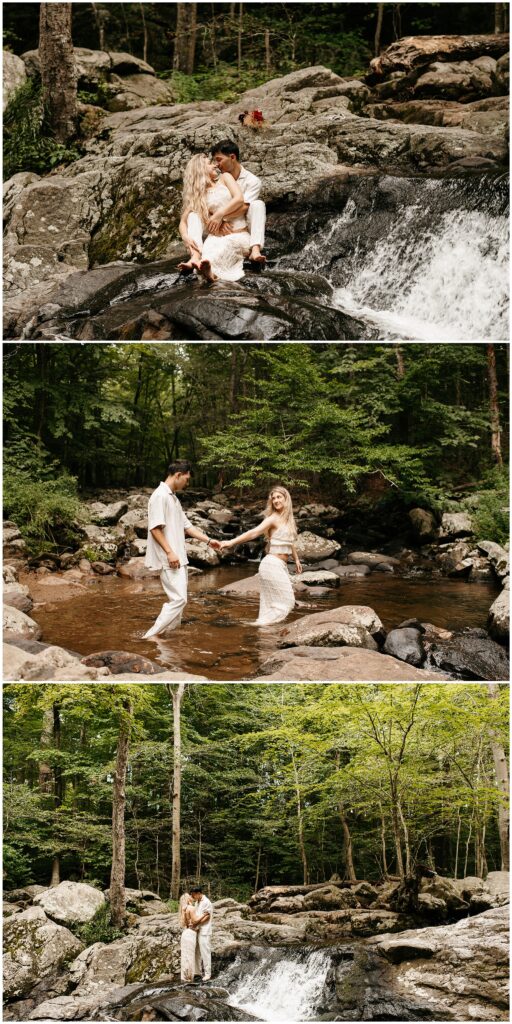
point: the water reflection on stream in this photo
(216, 638)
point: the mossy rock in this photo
(141, 224)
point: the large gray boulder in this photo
(13, 75)
(412, 52)
(423, 523)
(50, 663)
(371, 558)
(328, 634)
(107, 515)
(498, 622)
(34, 948)
(340, 664)
(16, 595)
(451, 972)
(470, 655)
(312, 548)
(454, 525)
(359, 616)
(17, 625)
(406, 645)
(71, 902)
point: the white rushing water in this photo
(448, 283)
(289, 989)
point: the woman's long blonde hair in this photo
(196, 180)
(183, 906)
(287, 513)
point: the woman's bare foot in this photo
(188, 267)
(205, 269)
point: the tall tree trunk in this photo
(378, 29)
(101, 18)
(400, 366)
(117, 874)
(347, 845)
(267, 49)
(493, 404)
(185, 40)
(383, 842)
(501, 770)
(58, 72)
(500, 18)
(176, 693)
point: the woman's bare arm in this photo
(257, 531)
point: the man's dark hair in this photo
(227, 147)
(195, 888)
(179, 466)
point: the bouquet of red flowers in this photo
(252, 119)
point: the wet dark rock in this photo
(471, 654)
(122, 661)
(406, 645)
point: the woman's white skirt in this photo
(188, 954)
(276, 592)
(226, 254)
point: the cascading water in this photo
(281, 985)
(423, 260)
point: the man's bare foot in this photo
(205, 269)
(256, 255)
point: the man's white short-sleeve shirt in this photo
(165, 510)
(250, 185)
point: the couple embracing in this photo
(195, 915)
(166, 550)
(223, 220)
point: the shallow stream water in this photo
(217, 638)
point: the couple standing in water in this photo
(220, 201)
(166, 550)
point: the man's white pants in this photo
(174, 582)
(256, 216)
(204, 954)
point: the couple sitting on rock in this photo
(220, 201)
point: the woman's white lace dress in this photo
(188, 954)
(226, 252)
(277, 599)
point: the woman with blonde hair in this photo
(213, 205)
(189, 921)
(276, 592)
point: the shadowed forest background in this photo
(279, 784)
(376, 428)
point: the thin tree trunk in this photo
(100, 18)
(267, 49)
(300, 823)
(501, 770)
(258, 862)
(58, 72)
(407, 844)
(378, 29)
(117, 875)
(494, 407)
(176, 693)
(239, 37)
(144, 33)
(383, 843)
(400, 365)
(500, 14)
(347, 841)
(459, 820)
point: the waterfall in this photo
(281, 986)
(424, 260)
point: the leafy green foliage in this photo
(28, 146)
(98, 929)
(38, 495)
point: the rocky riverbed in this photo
(430, 604)
(387, 210)
(337, 950)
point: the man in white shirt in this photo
(166, 550)
(203, 907)
(227, 157)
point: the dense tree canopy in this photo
(415, 422)
(240, 45)
(278, 781)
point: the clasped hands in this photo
(217, 226)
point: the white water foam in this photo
(450, 282)
(288, 990)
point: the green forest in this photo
(399, 425)
(238, 46)
(270, 783)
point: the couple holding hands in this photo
(166, 550)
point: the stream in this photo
(217, 637)
(281, 987)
